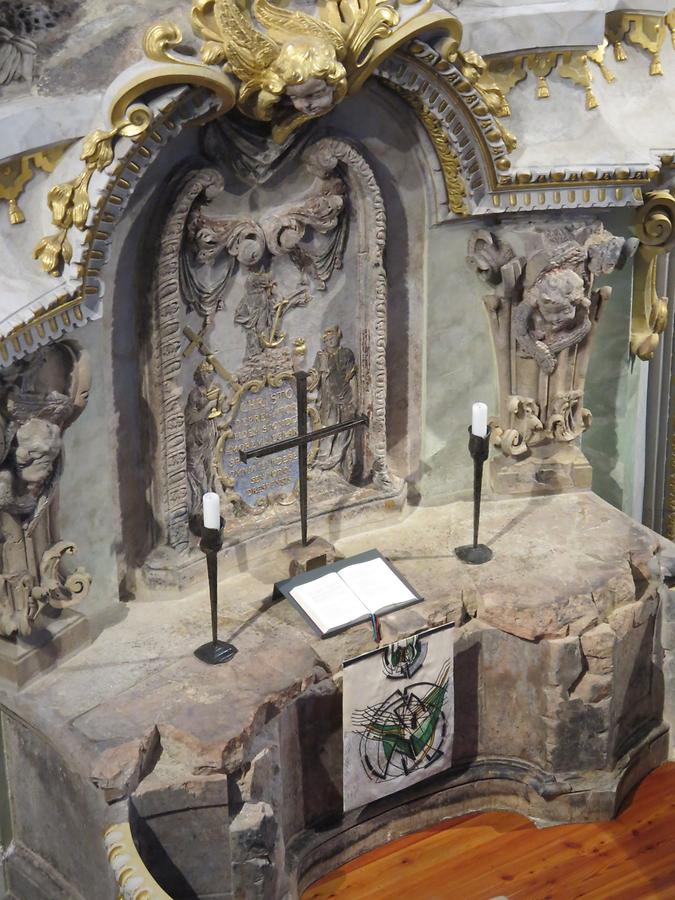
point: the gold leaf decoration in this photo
(655, 229)
(69, 201)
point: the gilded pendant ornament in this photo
(655, 228)
(17, 172)
(69, 202)
(640, 29)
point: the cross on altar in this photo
(301, 440)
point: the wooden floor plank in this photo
(502, 854)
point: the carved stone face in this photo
(312, 97)
(205, 245)
(38, 445)
(330, 339)
(560, 295)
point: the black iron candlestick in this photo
(479, 448)
(214, 651)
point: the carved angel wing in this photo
(284, 23)
(359, 23)
(247, 51)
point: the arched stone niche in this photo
(372, 289)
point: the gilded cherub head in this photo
(306, 73)
(291, 66)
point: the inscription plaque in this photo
(267, 415)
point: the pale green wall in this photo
(459, 368)
(614, 443)
(459, 363)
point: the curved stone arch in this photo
(454, 113)
(446, 94)
(324, 155)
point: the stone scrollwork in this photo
(542, 310)
(655, 229)
(40, 398)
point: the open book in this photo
(349, 591)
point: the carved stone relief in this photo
(39, 398)
(542, 310)
(23, 25)
(248, 291)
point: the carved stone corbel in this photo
(656, 232)
(542, 312)
(39, 398)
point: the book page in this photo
(376, 586)
(329, 602)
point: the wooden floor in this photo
(491, 855)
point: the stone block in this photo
(119, 770)
(598, 648)
(564, 663)
(186, 849)
(253, 835)
(52, 804)
(593, 688)
(25, 658)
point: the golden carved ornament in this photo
(641, 29)
(131, 874)
(507, 72)
(293, 67)
(574, 65)
(452, 176)
(655, 229)
(69, 201)
(477, 72)
(17, 172)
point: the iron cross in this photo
(301, 440)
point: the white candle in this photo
(211, 510)
(479, 419)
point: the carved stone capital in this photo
(542, 311)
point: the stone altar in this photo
(305, 195)
(562, 663)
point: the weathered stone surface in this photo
(120, 769)
(252, 840)
(556, 695)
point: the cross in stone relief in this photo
(301, 440)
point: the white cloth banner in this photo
(397, 709)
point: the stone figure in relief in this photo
(42, 397)
(335, 367)
(542, 309)
(554, 311)
(201, 434)
(261, 310)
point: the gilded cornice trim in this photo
(438, 92)
(73, 304)
(448, 93)
(655, 228)
(645, 31)
(455, 187)
(18, 171)
(130, 872)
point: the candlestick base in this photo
(215, 652)
(474, 555)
